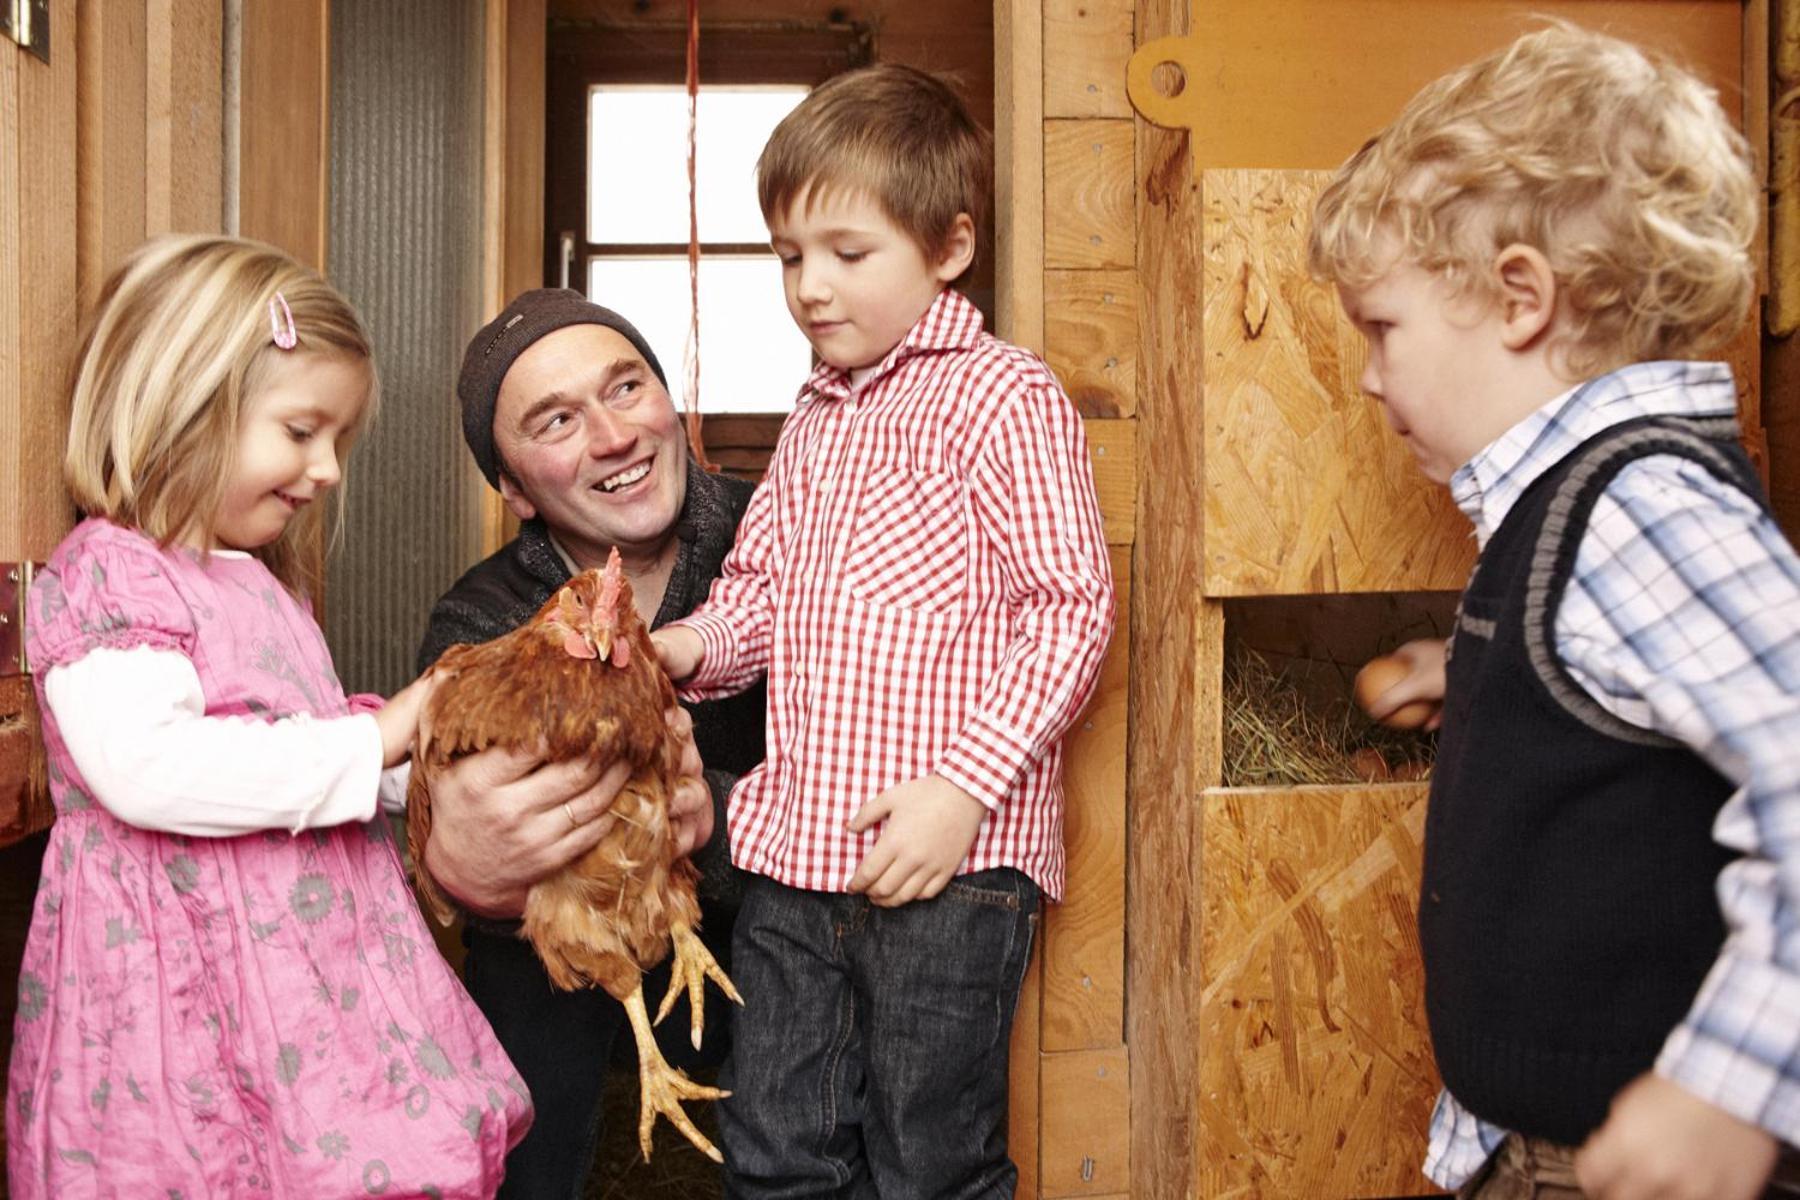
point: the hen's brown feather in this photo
(606, 917)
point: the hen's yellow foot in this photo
(662, 1088)
(692, 965)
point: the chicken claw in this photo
(662, 1088)
(693, 965)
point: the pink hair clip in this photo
(286, 338)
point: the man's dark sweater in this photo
(561, 1042)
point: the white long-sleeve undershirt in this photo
(134, 722)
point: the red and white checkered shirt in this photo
(924, 577)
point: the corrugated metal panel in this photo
(405, 246)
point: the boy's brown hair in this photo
(1618, 165)
(899, 134)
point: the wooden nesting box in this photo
(1158, 169)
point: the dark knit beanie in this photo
(491, 353)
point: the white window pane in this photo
(753, 358)
(637, 161)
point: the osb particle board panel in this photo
(1091, 338)
(1085, 1135)
(1087, 43)
(1316, 1074)
(1306, 489)
(1084, 936)
(1089, 207)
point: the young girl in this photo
(227, 989)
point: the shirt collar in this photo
(951, 323)
(1486, 486)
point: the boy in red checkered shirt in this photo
(923, 577)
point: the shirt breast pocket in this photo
(908, 544)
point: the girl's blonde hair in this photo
(180, 341)
(1618, 165)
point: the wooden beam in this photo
(1089, 41)
(1086, 1114)
(1177, 652)
(32, 502)
(184, 152)
(1084, 936)
(1019, 170)
(111, 109)
(284, 126)
(1088, 185)
(1091, 338)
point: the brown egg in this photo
(1376, 677)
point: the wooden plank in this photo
(1088, 185)
(283, 126)
(1086, 1123)
(1090, 43)
(185, 113)
(12, 415)
(1019, 171)
(1084, 936)
(1176, 650)
(513, 194)
(1304, 91)
(46, 279)
(1023, 1085)
(1307, 490)
(1090, 338)
(110, 112)
(1112, 449)
(1317, 1077)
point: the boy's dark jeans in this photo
(870, 1055)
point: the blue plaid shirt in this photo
(1682, 616)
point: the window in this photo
(752, 356)
(615, 195)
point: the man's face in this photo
(588, 440)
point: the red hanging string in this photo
(691, 363)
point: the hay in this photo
(1276, 737)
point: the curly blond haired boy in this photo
(1536, 251)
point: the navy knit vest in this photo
(1568, 913)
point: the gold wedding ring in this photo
(574, 821)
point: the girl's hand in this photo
(398, 719)
(679, 649)
(931, 823)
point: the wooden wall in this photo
(116, 138)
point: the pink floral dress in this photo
(263, 1015)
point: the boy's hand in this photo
(1423, 682)
(679, 649)
(690, 805)
(931, 823)
(1662, 1141)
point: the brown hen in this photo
(581, 680)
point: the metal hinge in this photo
(15, 585)
(27, 22)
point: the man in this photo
(567, 413)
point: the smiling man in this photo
(566, 412)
